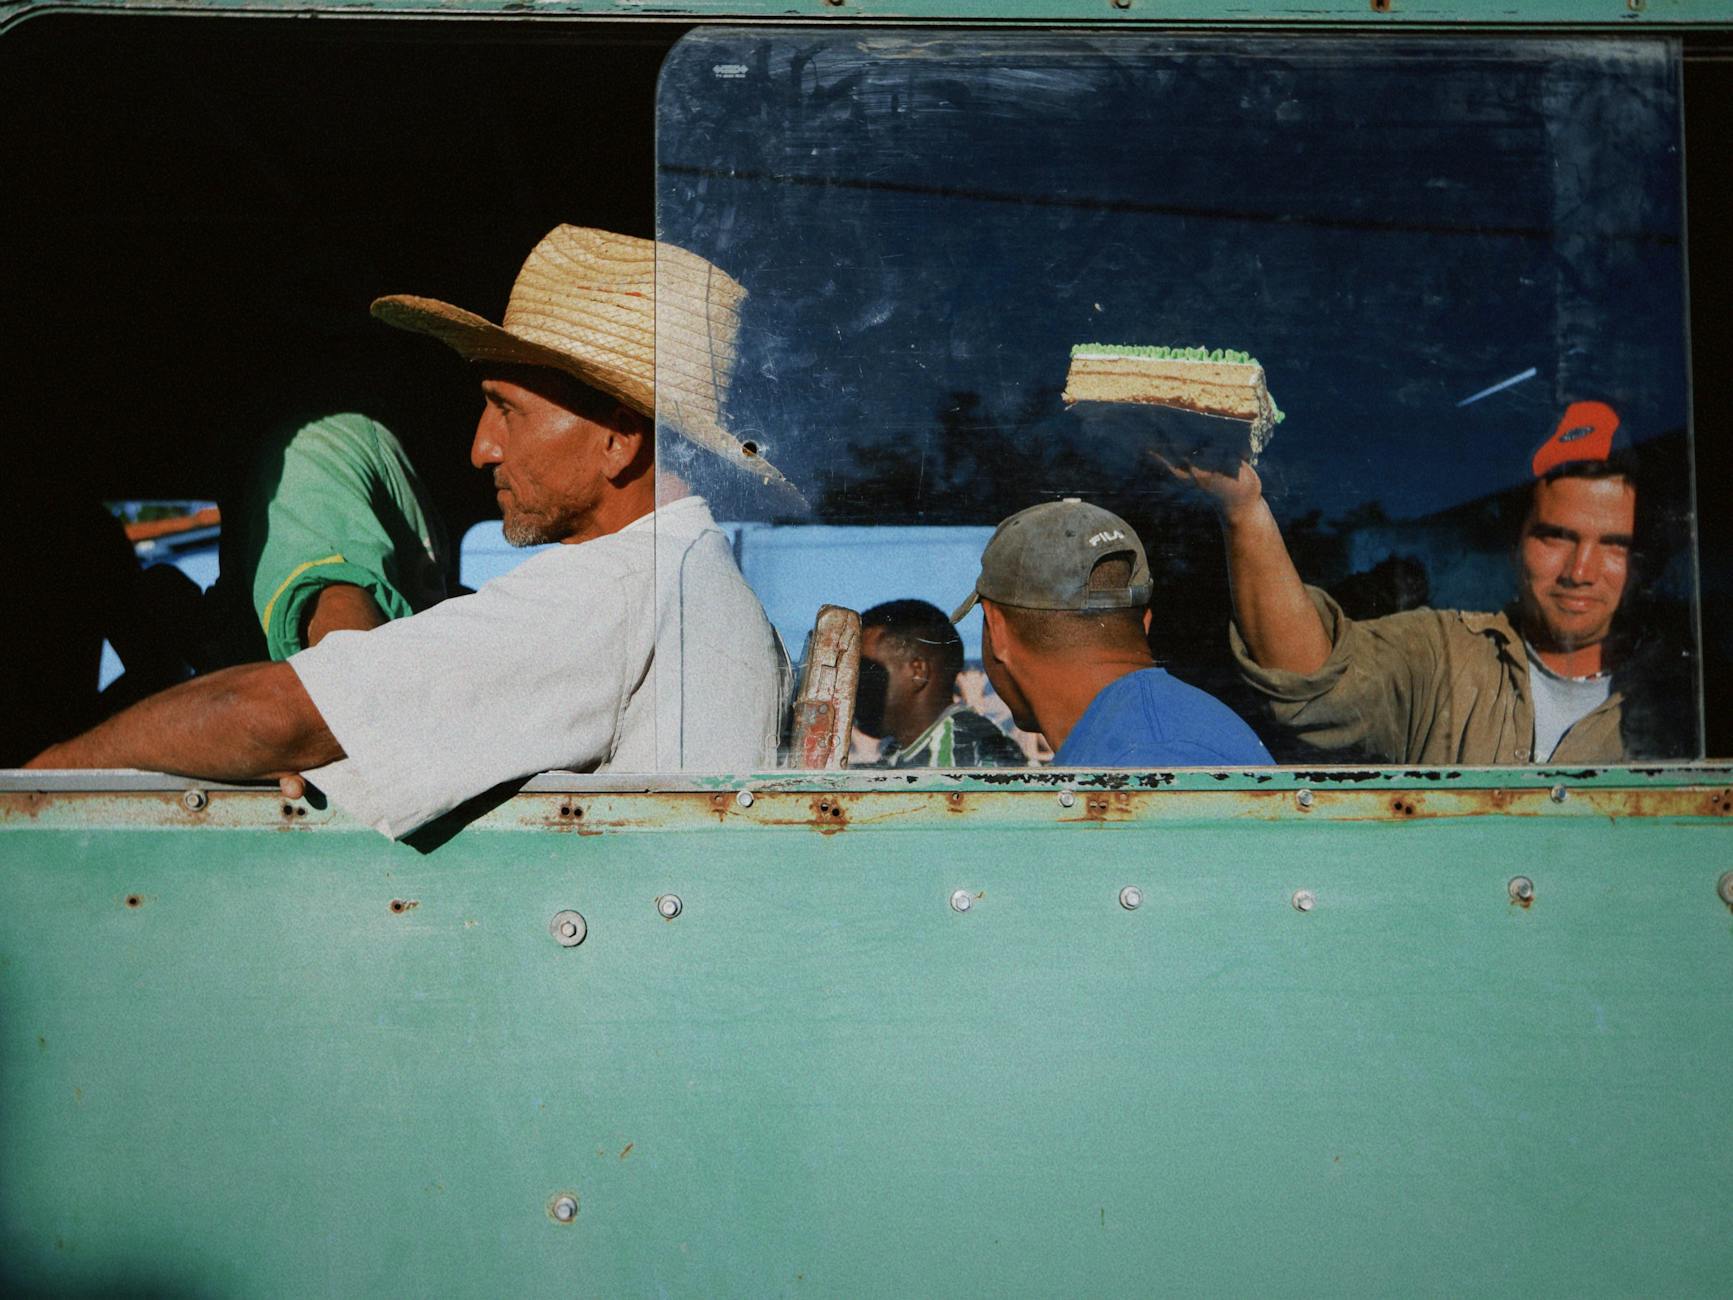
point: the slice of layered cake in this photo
(1217, 397)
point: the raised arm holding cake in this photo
(1209, 407)
(1553, 677)
(1276, 617)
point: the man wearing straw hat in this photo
(635, 646)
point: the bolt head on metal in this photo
(669, 906)
(565, 1208)
(1304, 900)
(962, 900)
(568, 928)
(1131, 898)
(1521, 889)
(1559, 794)
(1067, 799)
(1304, 798)
(1724, 887)
(195, 800)
(744, 798)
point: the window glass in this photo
(1458, 265)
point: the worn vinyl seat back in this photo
(822, 716)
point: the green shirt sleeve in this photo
(340, 503)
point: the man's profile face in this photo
(545, 458)
(1573, 560)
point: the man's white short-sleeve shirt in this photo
(640, 651)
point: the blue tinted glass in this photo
(1433, 248)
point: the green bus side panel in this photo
(264, 1062)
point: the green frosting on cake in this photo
(1228, 355)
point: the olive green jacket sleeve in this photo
(1452, 688)
(1374, 698)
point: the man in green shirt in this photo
(333, 529)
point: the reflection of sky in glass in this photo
(794, 569)
(926, 224)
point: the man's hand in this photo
(1276, 617)
(1231, 494)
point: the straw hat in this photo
(585, 303)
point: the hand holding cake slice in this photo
(1218, 385)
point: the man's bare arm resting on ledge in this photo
(239, 724)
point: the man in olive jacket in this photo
(1549, 680)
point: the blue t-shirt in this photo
(1149, 719)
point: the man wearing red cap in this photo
(1543, 681)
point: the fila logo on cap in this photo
(1113, 535)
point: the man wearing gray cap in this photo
(1064, 596)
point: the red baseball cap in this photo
(1585, 433)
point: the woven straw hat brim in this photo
(476, 338)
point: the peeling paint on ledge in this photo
(1114, 801)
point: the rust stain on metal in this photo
(1107, 805)
(401, 905)
(824, 707)
(570, 815)
(1658, 803)
(134, 900)
(1023, 801)
(828, 813)
(291, 811)
(32, 804)
(628, 1150)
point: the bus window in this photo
(1433, 291)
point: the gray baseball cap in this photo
(1041, 558)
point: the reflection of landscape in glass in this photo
(927, 225)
